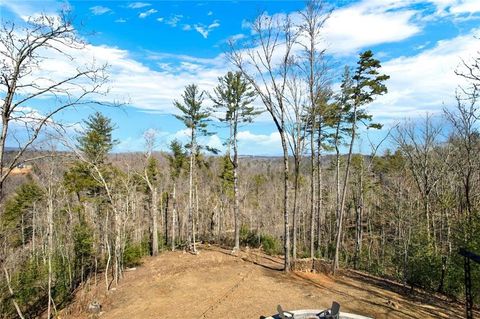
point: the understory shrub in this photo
(270, 244)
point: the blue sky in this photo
(155, 48)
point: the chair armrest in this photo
(324, 313)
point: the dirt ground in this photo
(215, 284)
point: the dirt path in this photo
(215, 284)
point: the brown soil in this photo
(215, 284)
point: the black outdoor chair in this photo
(332, 313)
(284, 314)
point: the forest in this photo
(72, 209)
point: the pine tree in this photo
(16, 222)
(96, 142)
(365, 85)
(233, 97)
(177, 161)
(195, 118)
(227, 176)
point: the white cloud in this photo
(215, 142)
(145, 87)
(151, 89)
(202, 30)
(99, 10)
(164, 138)
(186, 27)
(205, 30)
(138, 5)
(362, 24)
(467, 6)
(209, 13)
(160, 19)
(259, 144)
(249, 137)
(182, 135)
(121, 20)
(237, 37)
(28, 116)
(246, 24)
(174, 20)
(352, 28)
(214, 24)
(425, 82)
(418, 83)
(27, 9)
(445, 7)
(147, 13)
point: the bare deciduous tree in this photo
(313, 19)
(420, 145)
(152, 179)
(23, 51)
(266, 63)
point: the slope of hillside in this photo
(215, 284)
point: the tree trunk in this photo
(153, 212)
(34, 228)
(174, 214)
(109, 254)
(236, 205)
(3, 140)
(319, 189)
(12, 294)
(344, 193)
(50, 247)
(165, 218)
(285, 202)
(358, 220)
(191, 238)
(337, 178)
(6, 113)
(117, 250)
(295, 208)
(312, 191)
(195, 215)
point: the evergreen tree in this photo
(96, 142)
(16, 222)
(177, 161)
(367, 83)
(227, 176)
(195, 118)
(233, 97)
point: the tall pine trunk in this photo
(153, 212)
(338, 238)
(174, 214)
(236, 205)
(358, 220)
(319, 198)
(191, 235)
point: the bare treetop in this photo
(30, 56)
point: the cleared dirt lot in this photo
(215, 284)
